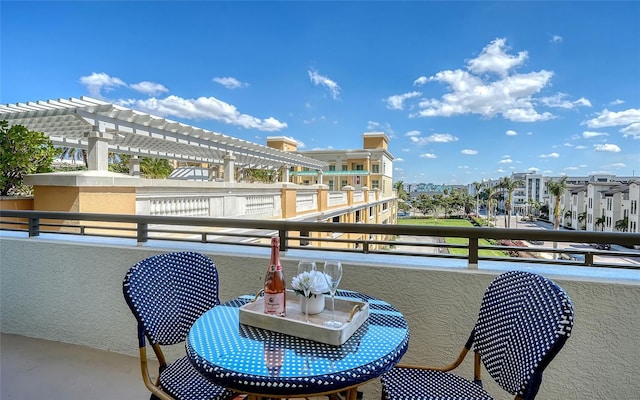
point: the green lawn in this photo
(453, 240)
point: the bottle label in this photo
(274, 303)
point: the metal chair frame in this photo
(565, 325)
(209, 298)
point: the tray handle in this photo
(260, 292)
(354, 310)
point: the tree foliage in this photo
(557, 189)
(22, 152)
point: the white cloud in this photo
(322, 80)
(396, 102)
(511, 132)
(230, 82)
(509, 96)
(556, 39)
(550, 155)
(420, 81)
(435, 138)
(533, 170)
(632, 130)
(615, 165)
(205, 108)
(581, 147)
(590, 134)
(428, 155)
(617, 102)
(607, 147)
(505, 161)
(611, 118)
(412, 133)
(398, 159)
(571, 168)
(559, 101)
(149, 88)
(96, 82)
(313, 120)
(493, 58)
(469, 152)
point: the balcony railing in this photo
(67, 288)
(382, 239)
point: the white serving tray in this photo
(351, 312)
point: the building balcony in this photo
(62, 305)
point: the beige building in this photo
(370, 167)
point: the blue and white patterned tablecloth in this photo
(236, 355)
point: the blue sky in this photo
(465, 90)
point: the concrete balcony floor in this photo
(36, 369)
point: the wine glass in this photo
(306, 277)
(333, 274)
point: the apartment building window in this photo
(375, 184)
(332, 167)
(634, 207)
(371, 212)
(331, 185)
(359, 167)
(385, 206)
(590, 202)
(345, 167)
(305, 182)
(375, 168)
(343, 183)
(609, 203)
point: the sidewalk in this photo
(37, 369)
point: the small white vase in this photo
(316, 303)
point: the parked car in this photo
(602, 246)
(577, 257)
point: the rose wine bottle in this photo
(274, 284)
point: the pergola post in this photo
(285, 173)
(319, 172)
(98, 150)
(134, 166)
(229, 167)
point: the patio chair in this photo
(167, 293)
(524, 320)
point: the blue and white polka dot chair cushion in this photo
(524, 320)
(167, 293)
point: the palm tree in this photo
(477, 186)
(622, 224)
(509, 185)
(581, 218)
(600, 221)
(74, 154)
(403, 196)
(556, 189)
(155, 168)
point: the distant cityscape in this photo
(599, 202)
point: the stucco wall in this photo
(73, 293)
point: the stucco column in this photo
(319, 178)
(229, 167)
(285, 173)
(134, 166)
(98, 151)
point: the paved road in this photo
(569, 246)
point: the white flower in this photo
(318, 286)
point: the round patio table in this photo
(264, 363)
